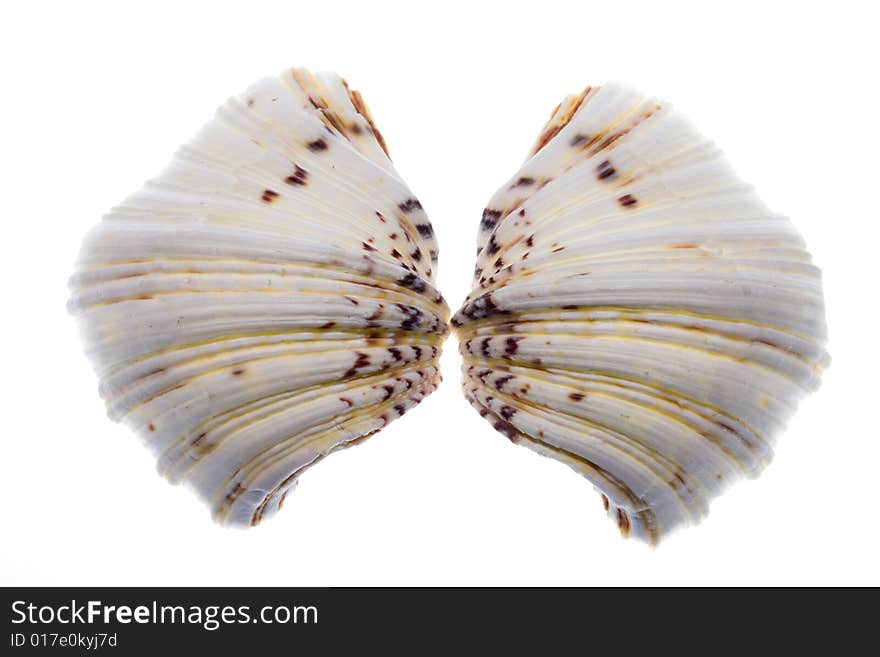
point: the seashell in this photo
(638, 313)
(268, 299)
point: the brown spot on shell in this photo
(525, 181)
(605, 170)
(238, 371)
(507, 412)
(576, 396)
(493, 247)
(483, 306)
(347, 401)
(511, 345)
(269, 195)
(501, 380)
(413, 282)
(507, 429)
(299, 176)
(490, 218)
(151, 427)
(409, 205)
(413, 316)
(318, 145)
(627, 200)
(361, 360)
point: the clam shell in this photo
(638, 313)
(267, 299)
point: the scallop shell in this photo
(268, 299)
(638, 313)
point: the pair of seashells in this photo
(637, 312)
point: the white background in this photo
(95, 98)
